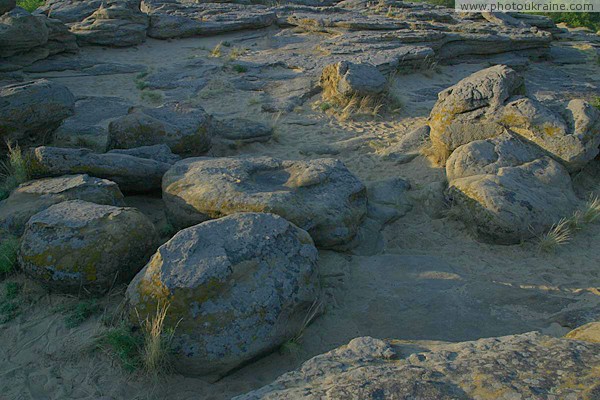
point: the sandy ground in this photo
(431, 282)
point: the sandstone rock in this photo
(69, 11)
(20, 32)
(388, 200)
(241, 131)
(173, 18)
(503, 19)
(320, 196)
(486, 157)
(237, 287)
(158, 152)
(573, 139)
(76, 245)
(461, 113)
(369, 368)
(119, 25)
(31, 111)
(516, 203)
(132, 174)
(588, 333)
(348, 79)
(7, 5)
(60, 39)
(185, 129)
(88, 127)
(35, 196)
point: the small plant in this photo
(152, 96)
(559, 234)
(14, 171)
(293, 346)
(596, 102)
(217, 51)
(167, 230)
(9, 305)
(8, 254)
(81, 313)
(240, 69)
(591, 211)
(325, 106)
(157, 341)
(124, 345)
(30, 5)
(236, 52)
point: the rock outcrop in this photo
(528, 365)
(31, 111)
(348, 79)
(467, 111)
(77, 246)
(320, 196)
(35, 196)
(120, 24)
(185, 129)
(237, 287)
(132, 174)
(506, 190)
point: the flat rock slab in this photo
(132, 174)
(171, 19)
(320, 196)
(486, 368)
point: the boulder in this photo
(31, 111)
(241, 131)
(20, 32)
(77, 246)
(158, 152)
(35, 196)
(320, 196)
(388, 199)
(524, 366)
(516, 202)
(466, 111)
(7, 5)
(486, 157)
(185, 129)
(347, 79)
(237, 288)
(117, 25)
(132, 174)
(572, 139)
(589, 333)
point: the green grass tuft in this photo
(240, 69)
(30, 5)
(81, 313)
(14, 171)
(125, 345)
(9, 246)
(9, 304)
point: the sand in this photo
(431, 281)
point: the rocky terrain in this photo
(308, 199)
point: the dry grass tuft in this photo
(591, 211)
(156, 351)
(14, 171)
(560, 234)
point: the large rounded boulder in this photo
(320, 196)
(78, 246)
(33, 110)
(35, 196)
(237, 287)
